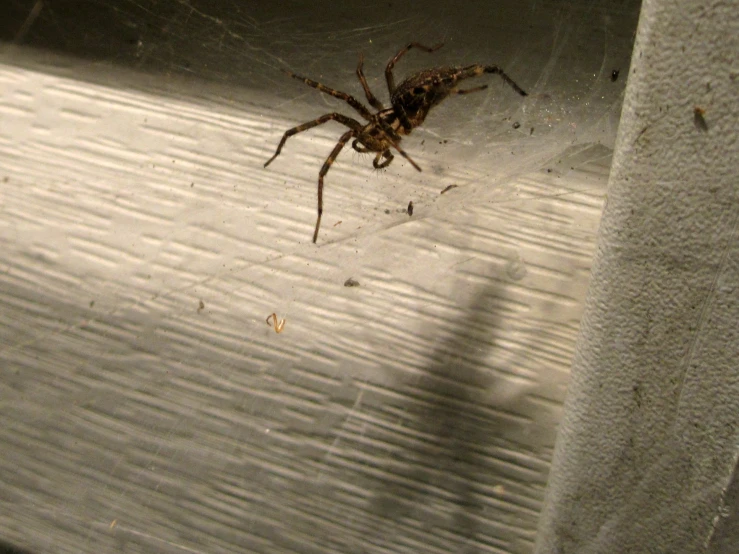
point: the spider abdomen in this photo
(422, 91)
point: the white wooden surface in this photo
(148, 407)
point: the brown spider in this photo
(411, 102)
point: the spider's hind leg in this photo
(389, 68)
(478, 69)
(468, 90)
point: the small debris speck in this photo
(351, 283)
(516, 124)
(614, 75)
(410, 208)
(450, 187)
(699, 120)
(201, 306)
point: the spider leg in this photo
(371, 98)
(395, 144)
(388, 158)
(348, 121)
(348, 98)
(477, 69)
(389, 69)
(360, 149)
(406, 156)
(326, 166)
(468, 90)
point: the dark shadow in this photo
(6, 548)
(725, 537)
(444, 484)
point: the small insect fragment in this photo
(450, 187)
(201, 306)
(272, 321)
(614, 75)
(699, 120)
(351, 283)
(516, 124)
(410, 208)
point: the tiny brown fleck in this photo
(450, 187)
(699, 120)
(410, 208)
(272, 321)
(351, 283)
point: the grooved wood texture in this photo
(148, 407)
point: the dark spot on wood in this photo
(699, 120)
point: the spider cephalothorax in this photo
(411, 102)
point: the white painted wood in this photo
(146, 404)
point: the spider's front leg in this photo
(326, 166)
(371, 98)
(388, 158)
(348, 121)
(383, 154)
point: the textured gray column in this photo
(648, 447)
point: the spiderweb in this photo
(147, 405)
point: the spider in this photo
(410, 102)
